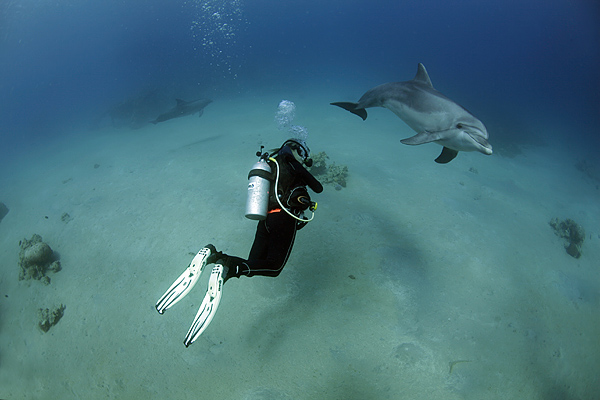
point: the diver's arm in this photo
(312, 182)
(306, 176)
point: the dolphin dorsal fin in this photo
(180, 102)
(422, 76)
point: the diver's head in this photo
(300, 150)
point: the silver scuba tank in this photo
(259, 185)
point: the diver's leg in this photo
(260, 247)
(271, 249)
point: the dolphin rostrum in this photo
(432, 115)
(183, 108)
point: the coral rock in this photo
(50, 318)
(572, 232)
(37, 253)
(35, 259)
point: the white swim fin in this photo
(209, 305)
(186, 281)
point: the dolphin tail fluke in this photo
(446, 156)
(353, 108)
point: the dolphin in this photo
(183, 108)
(432, 115)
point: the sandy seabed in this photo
(416, 281)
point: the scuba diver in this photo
(277, 198)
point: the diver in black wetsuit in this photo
(288, 199)
(275, 235)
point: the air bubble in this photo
(286, 112)
(216, 35)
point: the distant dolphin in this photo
(432, 115)
(183, 108)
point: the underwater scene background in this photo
(416, 280)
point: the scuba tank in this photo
(259, 184)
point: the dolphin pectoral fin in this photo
(446, 156)
(352, 107)
(200, 112)
(419, 138)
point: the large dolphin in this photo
(432, 115)
(183, 108)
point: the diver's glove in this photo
(299, 199)
(308, 203)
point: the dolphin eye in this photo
(459, 126)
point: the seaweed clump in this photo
(572, 232)
(333, 174)
(36, 258)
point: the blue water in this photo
(508, 62)
(416, 280)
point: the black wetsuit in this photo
(275, 235)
